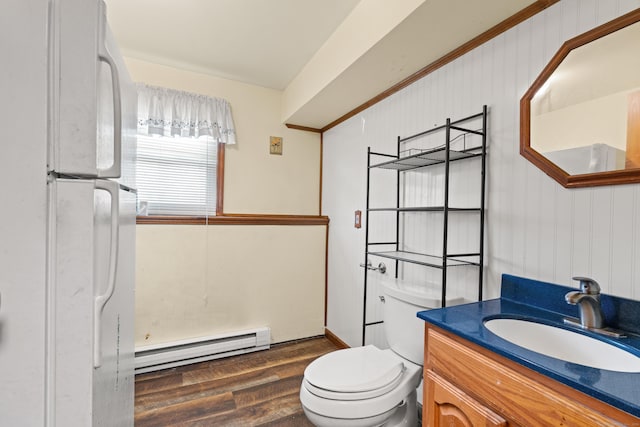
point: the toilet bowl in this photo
(362, 386)
(367, 386)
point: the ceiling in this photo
(261, 42)
(269, 42)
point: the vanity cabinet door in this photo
(448, 406)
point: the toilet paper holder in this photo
(381, 267)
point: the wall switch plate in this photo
(358, 219)
(275, 145)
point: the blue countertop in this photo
(530, 299)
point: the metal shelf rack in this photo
(412, 159)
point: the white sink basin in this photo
(564, 344)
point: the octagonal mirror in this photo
(580, 119)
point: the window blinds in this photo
(176, 175)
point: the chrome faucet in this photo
(588, 301)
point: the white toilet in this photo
(366, 386)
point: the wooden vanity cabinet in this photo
(466, 385)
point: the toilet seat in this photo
(354, 405)
(336, 395)
(354, 374)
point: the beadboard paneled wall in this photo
(534, 227)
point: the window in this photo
(176, 175)
(180, 137)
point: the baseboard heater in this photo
(168, 355)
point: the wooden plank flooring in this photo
(255, 389)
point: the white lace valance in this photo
(169, 112)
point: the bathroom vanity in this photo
(474, 377)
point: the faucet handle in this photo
(588, 285)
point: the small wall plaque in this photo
(275, 145)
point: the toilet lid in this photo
(354, 370)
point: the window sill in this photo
(236, 219)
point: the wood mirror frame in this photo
(622, 176)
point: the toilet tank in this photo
(403, 329)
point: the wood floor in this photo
(255, 389)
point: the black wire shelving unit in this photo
(411, 159)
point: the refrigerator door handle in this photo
(114, 171)
(100, 301)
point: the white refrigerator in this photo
(67, 218)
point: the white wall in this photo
(566, 128)
(198, 280)
(535, 228)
